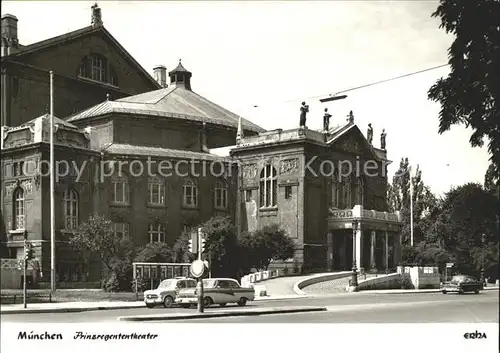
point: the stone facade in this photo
(301, 167)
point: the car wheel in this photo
(444, 292)
(150, 306)
(242, 302)
(223, 304)
(168, 301)
(207, 301)
(460, 291)
(476, 291)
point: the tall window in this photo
(98, 71)
(361, 191)
(120, 191)
(156, 192)
(268, 187)
(70, 209)
(156, 233)
(190, 193)
(121, 229)
(19, 209)
(220, 194)
(346, 193)
(335, 191)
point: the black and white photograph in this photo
(263, 175)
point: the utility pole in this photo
(25, 266)
(52, 221)
(199, 285)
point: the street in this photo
(345, 307)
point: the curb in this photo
(322, 277)
(265, 299)
(220, 314)
(411, 291)
(68, 310)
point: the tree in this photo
(180, 251)
(466, 213)
(96, 235)
(424, 201)
(470, 95)
(154, 252)
(266, 244)
(491, 180)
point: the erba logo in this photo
(474, 335)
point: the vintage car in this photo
(219, 291)
(167, 291)
(461, 284)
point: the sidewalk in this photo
(222, 313)
(68, 307)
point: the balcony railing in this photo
(359, 213)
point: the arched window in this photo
(190, 193)
(97, 68)
(70, 209)
(19, 209)
(335, 191)
(268, 187)
(220, 197)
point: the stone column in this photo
(397, 248)
(358, 234)
(373, 239)
(329, 258)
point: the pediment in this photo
(353, 141)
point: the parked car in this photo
(167, 291)
(461, 284)
(219, 291)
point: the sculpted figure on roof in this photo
(304, 109)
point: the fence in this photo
(155, 272)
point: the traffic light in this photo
(202, 239)
(28, 252)
(193, 243)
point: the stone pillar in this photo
(329, 256)
(397, 248)
(373, 239)
(358, 235)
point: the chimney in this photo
(10, 41)
(160, 75)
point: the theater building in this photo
(156, 158)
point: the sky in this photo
(262, 59)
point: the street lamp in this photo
(354, 275)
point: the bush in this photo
(142, 284)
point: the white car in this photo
(217, 291)
(167, 291)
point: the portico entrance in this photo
(375, 236)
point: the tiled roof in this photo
(132, 150)
(171, 102)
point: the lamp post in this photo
(483, 239)
(354, 275)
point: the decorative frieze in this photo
(9, 188)
(249, 171)
(28, 186)
(289, 166)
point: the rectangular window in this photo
(18, 169)
(98, 69)
(120, 192)
(288, 192)
(221, 198)
(156, 192)
(156, 233)
(121, 229)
